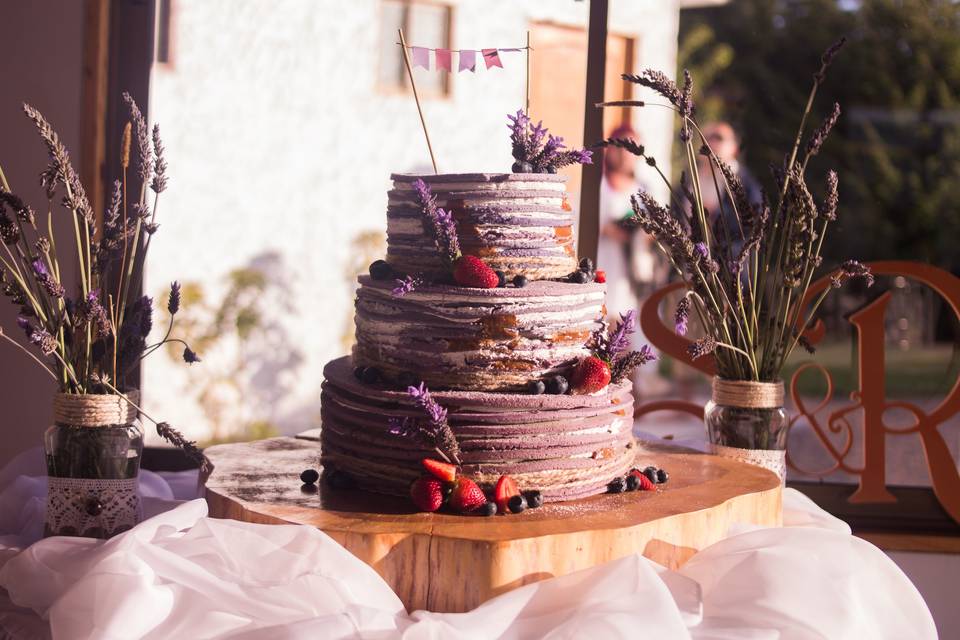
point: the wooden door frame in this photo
(118, 52)
(592, 176)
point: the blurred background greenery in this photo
(897, 146)
(896, 150)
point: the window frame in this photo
(403, 88)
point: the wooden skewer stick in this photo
(528, 73)
(406, 60)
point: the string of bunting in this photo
(467, 58)
(420, 57)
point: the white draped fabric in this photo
(181, 574)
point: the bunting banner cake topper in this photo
(467, 58)
(416, 56)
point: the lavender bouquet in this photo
(748, 267)
(89, 338)
(536, 150)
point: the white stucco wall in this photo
(279, 142)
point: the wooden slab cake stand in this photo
(453, 563)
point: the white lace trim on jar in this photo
(91, 507)
(772, 460)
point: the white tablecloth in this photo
(180, 574)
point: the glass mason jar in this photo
(746, 420)
(93, 454)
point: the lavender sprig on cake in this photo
(406, 285)
(533, 155)
(608, 345)
(434, 430)
(438, 223)
(612, 347)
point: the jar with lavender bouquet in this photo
(747, 266)
(91, 335)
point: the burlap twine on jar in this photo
(94, 410)
(747, 394)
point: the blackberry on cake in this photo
(381, 270)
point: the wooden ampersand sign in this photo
(870, 399)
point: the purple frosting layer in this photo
(566, 446)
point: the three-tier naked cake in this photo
(486, 354)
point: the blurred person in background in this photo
(629, 258)
(726, 144)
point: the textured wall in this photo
(281, 146)
(40, 62)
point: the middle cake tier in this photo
(476, 339)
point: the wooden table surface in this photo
(424, 557)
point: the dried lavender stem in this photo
(16, 273)
(806, 323)
(748, 340)
(811, 264)
(189, 447)
(806, 287)
(704, 228)
(726, 184)
(125, 161)
(138, 273)
(84, 282)
(114, 321)
(782, 238)
(132, 259)
(53, 243)
(166, 340)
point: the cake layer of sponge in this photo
(476, 339)
(517, 223)
(566, 446)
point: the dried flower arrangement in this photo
(89, 340)
(538, 151)
(749, 271)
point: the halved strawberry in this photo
(645, 483)
(443, 470)
(592, 374)
(427, 493)
(466, 495)
(471, 271)
(506, 488)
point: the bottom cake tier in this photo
(566, 446)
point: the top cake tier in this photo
(519, 223)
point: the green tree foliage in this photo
(897, 146)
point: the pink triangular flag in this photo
(420, 56)
(443, 60)
(492, 58)
(468, 60)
